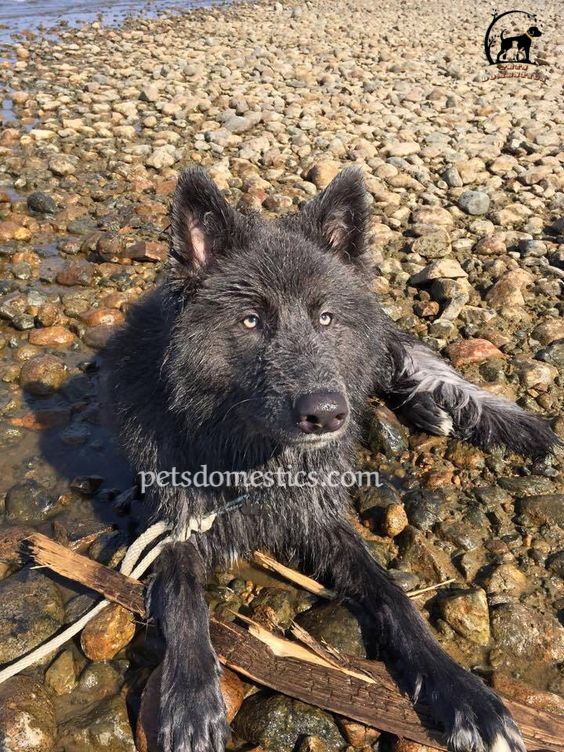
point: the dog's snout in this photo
(321, 412)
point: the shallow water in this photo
(18, 16)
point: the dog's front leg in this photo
(436, 399)
(192, 713)
(473, 717)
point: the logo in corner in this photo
(510, 38)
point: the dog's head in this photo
(276, 328)
(534, 31)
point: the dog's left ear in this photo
(338, 215)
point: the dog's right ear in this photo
(202, 220)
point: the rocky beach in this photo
(466, 182)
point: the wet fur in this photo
(188, 386)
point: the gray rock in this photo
(41, 203)
(474, 202)
(433, 245)
(527, 633)
(336, 625)
(29, 501)
(278, 723)
(532, 248)
(31, 610)
(542, 510)
(102, 728)
(452, 178)
(386, 433)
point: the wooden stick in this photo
(312, 586)
(267, 562)
(378, 704)
(115, 586)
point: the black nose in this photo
(321, 412)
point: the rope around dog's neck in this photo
(131, 567)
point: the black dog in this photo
(523, 44)
(258, 351)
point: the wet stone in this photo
(108, 633)
(527, 633)
(27, 717)
(336, 625)
(29, 501)
(102, 728)
(278, 723)
(31, 610)
(467, 613)
(386, 433)
(41, 203)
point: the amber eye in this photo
(325, 318)
(251, 321)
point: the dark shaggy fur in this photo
(209, 368)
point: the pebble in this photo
(108, 633)
(60, 677)
(41, 203)
(434, 245)
(442, 269)
(474, 202)
(43, 375)
(52, 336)
(472, 350)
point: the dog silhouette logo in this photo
(510, 40)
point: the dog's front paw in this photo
(474, 717)
(192, 718)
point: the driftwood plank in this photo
(115, 586)
(375, 703)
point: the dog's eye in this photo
(325, 318)
(251, 321)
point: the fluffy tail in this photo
(438, 400)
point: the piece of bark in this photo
(366, 693)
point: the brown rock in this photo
(43, 375)
(27, 718)
(467, 613)
(356, 734)
(549, 331)
(405, 745)
(51, 336)
(76, 272)
(147, 250)
(12, 231)
(534, 698)
(322, 173)
(507, 291)
(526, 633)
(491, 245)
(394, 520)
(60, 677)
(108, 633)
(472, 351)
(98, 336)
(102, 317)
(506, 578)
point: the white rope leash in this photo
(130, 566)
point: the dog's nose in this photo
(321, 412)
